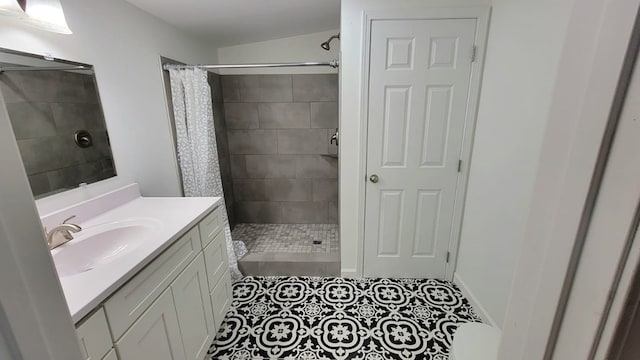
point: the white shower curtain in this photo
(197, 149)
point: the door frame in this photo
(481, 15)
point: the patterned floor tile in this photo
(341, 318)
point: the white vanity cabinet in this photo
(172, 308)
(93, 333)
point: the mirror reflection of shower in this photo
(327, 44)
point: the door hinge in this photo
(448, 255)
(459, 165)
(474, 51)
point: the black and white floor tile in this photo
(341, 318)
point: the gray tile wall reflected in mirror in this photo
(279, 129)
(45, 109)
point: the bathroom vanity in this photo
(158, 288)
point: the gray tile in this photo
(333, 212)
(288, 190)
(249, 190)
(54, 86)
(315, 87)
(91, 90)
(325, 190)
(302, 141)
(266, 88)
(39, 155)
(316, 167)
(230, 88)
(257, 88)
(270, 166)
(99, 150)
(304, 212)
(258, 212)
(11, 88)
(284, 115)
(72, 116)
(241, 115)
(324, 115)
(252, 142)
(39, 184)
(238, 167)
(215, 82)
(31, 120)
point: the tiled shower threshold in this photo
(289, 249)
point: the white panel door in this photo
(418, 91)
(193, 306)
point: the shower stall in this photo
(278, 148)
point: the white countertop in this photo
(175, 216)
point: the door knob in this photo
(374, 178)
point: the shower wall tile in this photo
(221, 125)
(238, 166)
(333, 212)
(54, 86)
(31, 120)
(257, 88)
(315, 87)
(262, 212)
(316, 167)
(305, 212)
(279, 127)
(270, 166)
(11, 88)
(249, 190)
(325, 190)
(284, 115)
(241, 115)
(324, 115)
(288, 190)
(252, 141)
(302, 141)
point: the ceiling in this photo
(232, 22)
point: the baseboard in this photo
(480, 310)
(349, 273)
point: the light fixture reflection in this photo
(10, 8)
(42, 14)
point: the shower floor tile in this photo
(288, 238)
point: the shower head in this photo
(325, 45)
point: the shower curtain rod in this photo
(43, 68)
(332, 63)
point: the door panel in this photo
(193, 307)
(418, 91)
(155, 335)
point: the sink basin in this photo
(102, 244)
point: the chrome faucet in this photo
(61, 233)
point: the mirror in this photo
(57, 119)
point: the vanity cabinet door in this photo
(221, 297)
(211, 225)
(155, 335)
(93, 333)
(216, 260)
(111, 356)
(193, 305)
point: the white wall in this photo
(291, 49)
(524, 47)
(352, 123)
(124, 44)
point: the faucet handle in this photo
(67, 219)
